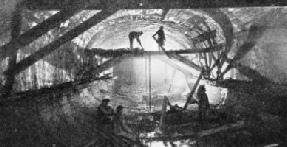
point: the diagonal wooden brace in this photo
(46, 50)
(36, 32)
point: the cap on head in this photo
(161, 27)
(106, 100)
(120, 107)
(201, 87)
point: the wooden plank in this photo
(155, 4)
(139, 53)
(46, 50)
(203, 133)
(227, 127)
(36, 32)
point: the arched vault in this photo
(177, 22)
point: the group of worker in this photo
(202, 101)
(112, 121)
(159, 37)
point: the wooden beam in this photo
(46, 50)
(164, 13)
(138, 53)
(170, 63)
(36, 32)
(215, 62)
(203, 133)
(252, 73)
(247, 71)
(155, 4)
(186, 61)
(199, 58)
(33, 95)
(210, 59)
(193, 90)
(255, 33)
(76, 84)
(108, 64)
(225, 24)
(205, 60)
(227, 127)
(16, 30)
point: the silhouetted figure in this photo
(160, 38)
(203, 104)
(105, 115)
(135, 35)
(120, 126)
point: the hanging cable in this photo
(146, 75)
(150, 82)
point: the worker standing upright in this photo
(203, 104)
(160, 40)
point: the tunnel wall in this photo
(269, 55)
(53, 119)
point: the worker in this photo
(135, 35)
(160, 38)
(105, 115)
(120, 126)
(203, 104)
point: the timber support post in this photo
(193, 89)
(15, 32)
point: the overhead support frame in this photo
(37, 31)
(46, 50)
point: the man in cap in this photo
(105, 115)
(135, 35)
(160, 38)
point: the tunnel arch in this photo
(156, 16)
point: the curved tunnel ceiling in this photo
(112, 33)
